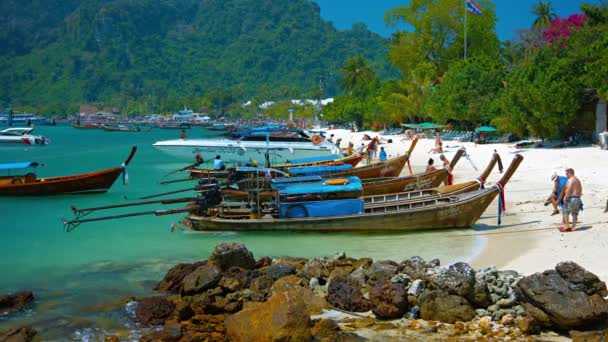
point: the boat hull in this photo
(94, 182)
(459, 214)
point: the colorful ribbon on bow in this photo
(501, 201)
(125, 175)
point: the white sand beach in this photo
(528, 239)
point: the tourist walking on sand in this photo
(446, 164)
(572, 201)
(559, 182)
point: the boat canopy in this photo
(318, 170)
(17, 166)
(264, 130)
(324, 186)
(313, 159)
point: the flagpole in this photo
(465, 30)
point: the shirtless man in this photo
(449, 180)
(572, 201)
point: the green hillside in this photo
(59, 54)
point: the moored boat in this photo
(29, 185)
(121, 128)
(21, 135)
(433, 212)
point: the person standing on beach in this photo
(559, 182)
(446, 164)
(382, 154)
(572, 201)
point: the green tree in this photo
(357, 73)
(544, 13)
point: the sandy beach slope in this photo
(528, 239)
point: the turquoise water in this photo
(103, 262)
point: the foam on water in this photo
(74, 274)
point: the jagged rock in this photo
(298, 263)
(174, 279)
(279, 270)
(403, 279)
(441, 306)
(263, 262)
(480, 298)
(416, 267)
(16, 301)
(326, 330)
(362, 263)
(589, 336)
(207, 301)
(553, 300)
(22, 334)
(581, 279)
(227, 255)
(154, 310)
(281, 318)
(111, 338)
(260, 288)
(165, 335)
(316, 268)
(380, 270)
(457, 279)
(527, 325)
(294, 288)
(416, 288)
(345, 292)
(389, 299)
(201, 279)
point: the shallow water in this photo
(72, 274)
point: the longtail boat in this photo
(434, 212)
(121, 128)
(352, 160)
(30, 185)
(87, 126)
(400, 186)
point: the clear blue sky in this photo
(512, 14)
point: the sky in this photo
(512, 14)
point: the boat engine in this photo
(209, 199)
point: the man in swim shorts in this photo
(572, 201)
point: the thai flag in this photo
(473, 8)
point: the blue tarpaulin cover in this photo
(321, 208)
(280, 183)
(318, 170)
(321, 187)
(313, 159)
(15, 166)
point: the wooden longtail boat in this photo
(400, 186)
(121, 128)
(458, 211)
(93, 182)
(352, 160)
(87, 126)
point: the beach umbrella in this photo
(485, 129)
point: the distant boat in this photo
(175, 125)
(88, 125)
(281, 145)
(29, 185)
(21, 135)
(121, 128)
(21, 119)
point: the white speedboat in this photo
(21, 135)
(282, 145)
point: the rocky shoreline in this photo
(232, 296)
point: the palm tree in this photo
(357, 73)
(544, 13)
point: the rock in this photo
(416, 267)
(441, 306)
(314, 304)
(482, 312)
(165, 335)
(260, 288)
(298, 263)
(484, 322)
(281, 318)
(589, 336)
(263, 262)
(581, 279)
(326, 329)
(555, 301)
(316, 268)
(345, 293)
(227, 255)
(201, 279)
(22, 334)
(314, 282)
(380, 270)
(389, 299)
(480, 298)
(362, 263)
(456, 279)
(416, 288)
(279, 270)
(507, 320)
(526, 325)
(16, 301)
(173, 280)
(403, 279)
(154, 310)
(111, 338)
